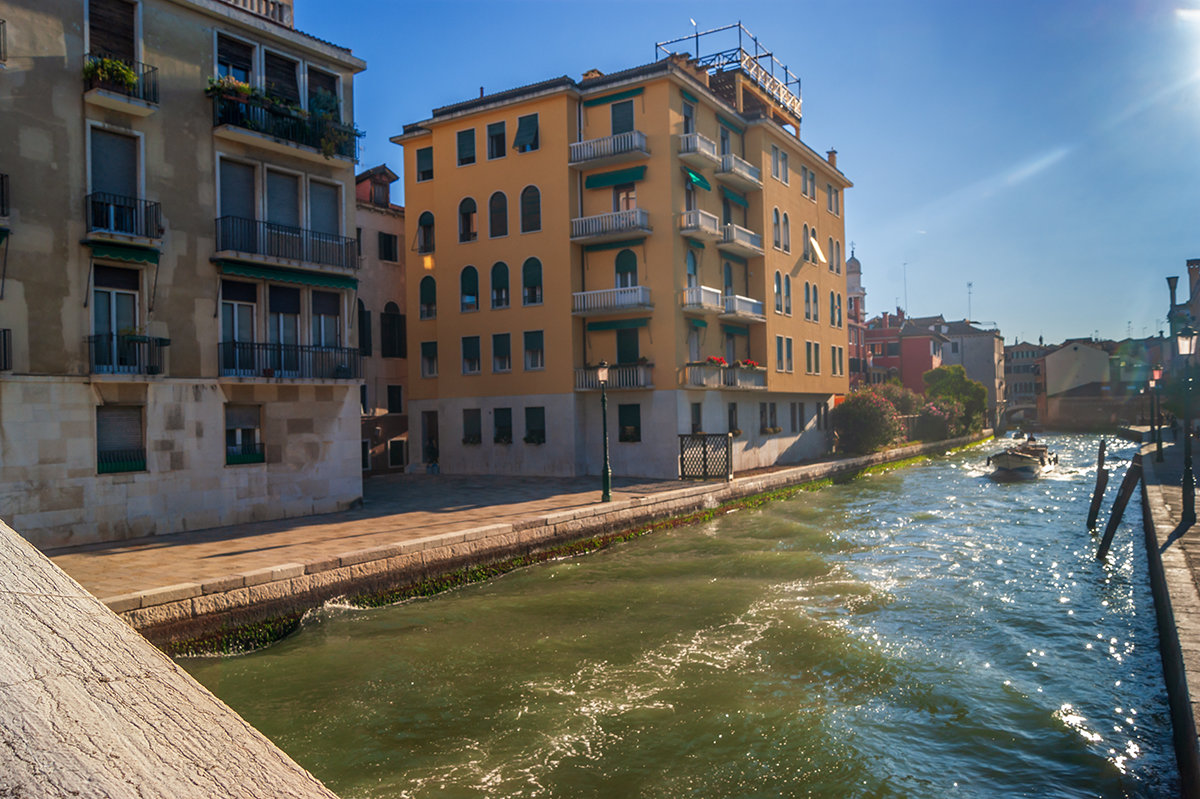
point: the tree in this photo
(907, 401)
(952, 382)
(865, 422)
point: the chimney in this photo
(831, 157)
(481, 91)
(1172, 282)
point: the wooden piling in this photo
(1101, 485)
(1132, 476)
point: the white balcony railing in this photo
(698, 144)
(615, 222)
(735, 377)
(743, 238)
(737, 305)
(733, 165)
(703, 375)
(631, 141)
(703, 298)
(710, 376)
(630, 376)
(628, 297)
(698, 221)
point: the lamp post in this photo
(1185, 342)
(1154, 384)
(606, 475)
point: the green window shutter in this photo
(466, 147)
(470, 348)
(691, 98)
(697, 179)
(428, 290)
(626, 262)
(614, 245)
(428, 349)
(531, 273)
(425, 163)
(534, 340)
(622, 117)
(527, 133)
(470, 281)
(501, 345)
(615, 178)
(612, 98)
(734, 197)
(629, 415)
(731, 125)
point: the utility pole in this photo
(970, 285)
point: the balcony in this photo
(289, 361)
(628, 376)
(6, 363)
(740, 241)
(744, 309)
(615, 149)
(120, 85)
(122, 217)
(702, 299)
(697, 150)
(126, 354)
(744, 378)
(739, 172)
(704, 375)
(701, 225)
(608, 301)
(258, 122)
(607, 227)
(240, 237)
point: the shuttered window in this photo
(325, 208)
(111, 28)
(622, 117)
(466, 147)
(364, 329)
(234, 59)
(280, 74)
(393, 337)
(237, 189)
(322, 83)
(527, 134)
(531, 209)
(425, 164)
(114, 163)
(119, 443)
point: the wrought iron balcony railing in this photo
(109, 461)
(130, 78)
(129, 216)
(261, 116)
(245, 453)
(119, 353)
(253, 237)
(289, 361)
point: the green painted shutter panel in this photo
(527, 132)
(470, 347)
(534, 340)
(614, 245)
(697, 179)
(622, 117)
(428, 349)
(734, 197)
(501, 346)
(615, 178)
(732, 126)
(425, 163)
(531, 273)
(612, 98)
(691, 98)
(428, 291)
(618, 324)
(627, 345)
(466, 146)
(470, 281)
(626, 262)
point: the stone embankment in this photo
(206, 608)
(89, 708)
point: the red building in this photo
(900, 349)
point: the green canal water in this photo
(920, 633)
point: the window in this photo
(499, 285)
(816, 358)
(535, 425)
(689, 196)
(783, 166)
(816, 304)
(833, 359)
(732, 414)
(326, 322)
(243, 436)
(787, 234)
(363, 402)
(627, 346)
(812, 184)
(472, 420)
(693, 278)
(112, 204)
(779, 363)
(424, 164)
(389, 247)
(501, 352)
(787, 294)
(120, 446)
(808, 256)
(622, 117)
(239, 303)
(696, 418)
(392, 332)
(395, 399)
(466, 147)
(841, 360)
(358, 241)
(468, 284)
(114, 319)
(324, 208)
(839, 310)
(495, 140)
(535, 353)
(629, 423)
(808, 359)
(626, 269)
(777, 237)
(807, 301)
(531, 282)
(689, 118)
(502, 426)
(526, 139)
(380, 193)
(778, 292)
(429, 363)
(832, 266)
(792, 416)
(953, 346)
(466, 220)
(774, 161)
(425, 232)
(283, 329)
(531, 209)
(788, 352)
(625, 197)
(832, 310)
(829, 197)
(323, 94)
(428, 296)
(397, 453)
(279, 75)
(764, 419)
(365, 454)
(837, 256)
(498, 215)
(112, 26)
(364, 330)
(234, 59)
(772, 416)
(725, 141)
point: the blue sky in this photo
(1046, 152)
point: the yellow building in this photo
(666, 220)
(177, 340)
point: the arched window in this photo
(837, 249)
(468, 288)
(466, 220)
(428, 297)
(807, 248)
(498, 215)
(499, 285)
(425, 232)
(778, 292)
(807, 301)
(839, 310)
(626, 268)
(778, 238)
(787, 234)
(531, 209)
(391, 332)
(834, 260)
(531, 282)
(787, 294)
(364, 329)
(693, 278)
(816, 307)
(832, 310)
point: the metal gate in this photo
(704, 456)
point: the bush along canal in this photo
(915, 633)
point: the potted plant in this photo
(111, 71)
(227, 86)
(715, 360)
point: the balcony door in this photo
(627, 346)
(112, 29)
(284, 237)
(238, 208)
(113, 202)
(283, 329)
(324, 217)
(238, 304)
(115, 319)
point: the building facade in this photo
(903, 350)
(176, 305)
(860, 359)
(666, 220)
(1024, 380)
(981, 354)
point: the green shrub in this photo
(906, 401)
(952, 382)
(865, 422)
(939, 419)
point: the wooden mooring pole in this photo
(1101, 485)
(1132, 476)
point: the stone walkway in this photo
(394, 509)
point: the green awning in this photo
(697, 322)
(618, 324)
(734, 197)
(697, 179)
(614, 245)
(612, 98)
(737, 259)
(527, 131)
(732, 126)
(691, 98)
(699, 245)
(735, 330)
(615, 178)
(281, 275)
(123, 252)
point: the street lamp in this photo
(1185, 342)
(606, 475)
(1157, 372)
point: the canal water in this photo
(920, 633)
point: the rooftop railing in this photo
(253, 237)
